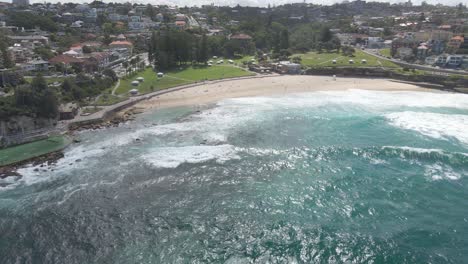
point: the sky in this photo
(248, 2)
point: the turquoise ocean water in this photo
(326, 177)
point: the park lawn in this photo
(33, 149)
(214, 72)
(245, 58)
(178, 77)
(314, 59)
(386, 52)
(108, 99)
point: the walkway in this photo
(416, 66)
(133, 100)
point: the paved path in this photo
(115, 87)
(417, 66)
(133, 100)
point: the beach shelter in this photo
(133, 91)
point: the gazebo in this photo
(135, 83)
(140, 79)
(160, 74)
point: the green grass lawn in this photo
(108, 99)
(49, 80)
(385, 52)
(178, 77)
(33, 149)
(314, 59)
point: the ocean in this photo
(324, 177)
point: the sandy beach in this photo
(270, 86)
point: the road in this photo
(416, 66)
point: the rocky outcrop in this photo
(24, 125)
(21, 129)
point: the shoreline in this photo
(275, 85)
(214, 91)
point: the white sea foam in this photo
(172, 157)
(412, 149)
(373, 99)
(215, 125)
(439, 126)
(439, 171)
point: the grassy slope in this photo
(49, 80)
(314, 59)
(385, 52)
(179, 77)
(33, 149)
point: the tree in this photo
(87, 49)
(325, 34)
(296, 59)
(39, 84)
(111, 74)
(203, 50)
(7, 62)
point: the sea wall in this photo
(448, 82)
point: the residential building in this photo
(35, 66)
(20, 2)
(456, 42)
(121, 46)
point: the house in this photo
(34, 40)
(99, 60)
(35, 66)
(20, 54)
(454, 61)
(422, 51)
(135, 23)
(442, 60)
(68, 111)
(114, 17)
(181, 17)
(456, 42)
(351, 38)
(121, 45)
(408, 43)
(180, 24)
(66, 60)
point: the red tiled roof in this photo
(65, 59)
(241, 36)
(121, 42)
